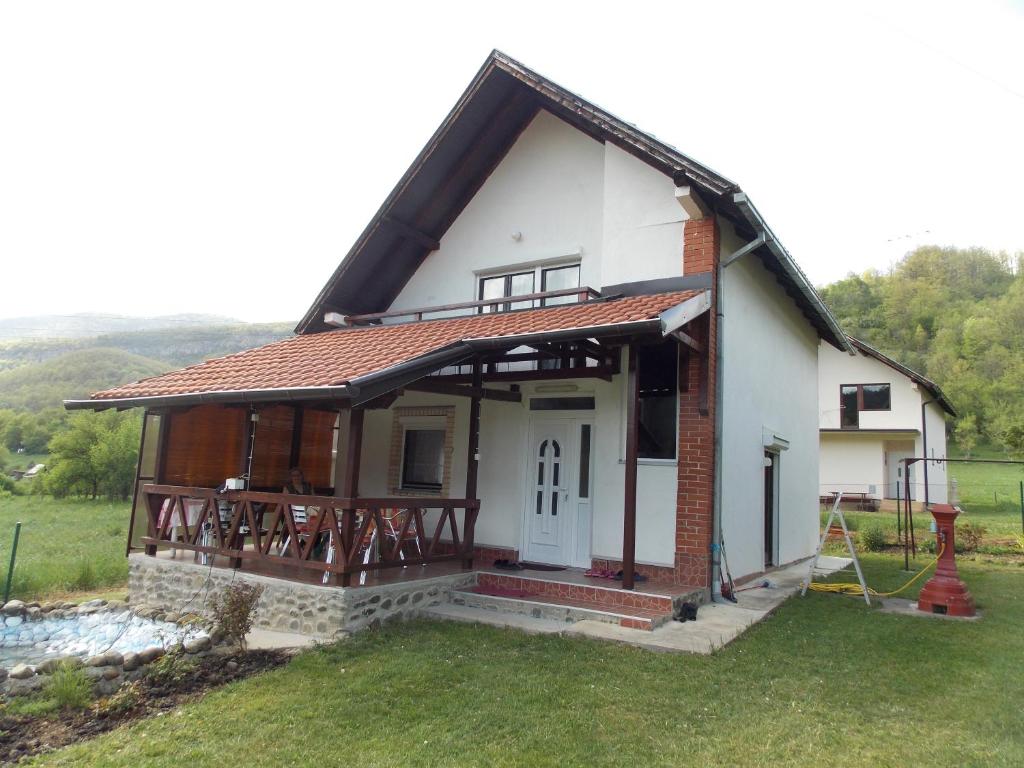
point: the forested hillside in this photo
(957, 316)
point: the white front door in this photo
(550, 496)
(894, 485)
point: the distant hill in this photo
(174, 346)
(92, 324)
(72, 375)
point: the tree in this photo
(96, 454)
(966, 433)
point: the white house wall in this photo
(770, 370)
(844, 455)
(571, 198)
(501, 476)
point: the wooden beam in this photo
(472, 461)
(590, 372)
(458, 390)
(295, 454)
(350, 482)
(411, 233)
(689, 341)
(632, 450)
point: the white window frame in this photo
(538, 268)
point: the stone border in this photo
(108, 670)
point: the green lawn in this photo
(65, 545)
(825, 681)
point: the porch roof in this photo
(357, 364)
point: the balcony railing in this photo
(333, 536)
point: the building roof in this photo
(929, 386)
(361, 362)
(483, 125)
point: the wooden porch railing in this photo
(262, 527)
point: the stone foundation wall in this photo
(287, 606)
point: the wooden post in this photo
(159, 475)
(629, 509)
(295, 454)
(350, 481)
(472, 463)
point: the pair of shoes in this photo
(507, 565)
(686, 612)
(599, 573)
(636, 577)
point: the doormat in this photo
(502, 591)
(542, 567)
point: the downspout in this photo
(716, 516)
(924, 447)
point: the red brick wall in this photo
(696, 425)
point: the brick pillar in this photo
(695, 496)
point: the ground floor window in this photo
(421, 450)
(658, 374)
(423, 459)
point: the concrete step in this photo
(562, 610)
(468, 615)
(606, 596)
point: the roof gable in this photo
(499, 103)
(927, 384)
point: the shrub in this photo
(234, 610)
(1020, 542)
(69, 687)
(969, 536)
(873, 538)
(85, 575)
(124, 700)
(170, 669)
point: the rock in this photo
(111, 673)
(149, 655)
(113, 659)
(172, 617)
(97, 603)
(96, 661)
(21, 672)
(34, 612)
(116, 605)
(47, 607)
(197, 644)
(50, 665)
(13, 621)
(131, 661)
(13, 608)
(3, 674)
(231, 666)
(86, 609)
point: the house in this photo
(559, 341)
(876, 412)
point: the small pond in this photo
(30, 641)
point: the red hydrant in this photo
(944, 592)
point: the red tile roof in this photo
(338, 357)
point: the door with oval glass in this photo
(550, 493)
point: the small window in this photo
(557, 278)
(423, 459)
(561, 404)
(854, 398)
(584, 472)
(526, 282)
(658, 372)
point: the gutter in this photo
(342, 391)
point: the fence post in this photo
(899, 511)
(10, 568)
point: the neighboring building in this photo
(529, 326)
(874, 413)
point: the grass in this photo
(825, 680)
(65, 545)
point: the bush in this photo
(234, 610)
(69, 687)
(124, 700)
(873, 538)
(170, 669)
(969, 536)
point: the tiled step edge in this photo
(603, 597)
(537, 608)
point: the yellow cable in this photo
(853, 588)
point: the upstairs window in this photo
(526, 282)
(658, 374)
(854, 398)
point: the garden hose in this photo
(853, 588)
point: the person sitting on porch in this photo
(297, 485)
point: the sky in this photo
(221, 157)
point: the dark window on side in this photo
(423, 459)
(876, 397)
(658, 373)
(848, 407)
(854, 398)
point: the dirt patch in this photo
(24, 735)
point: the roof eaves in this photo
(933, 389)
(837, 337)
